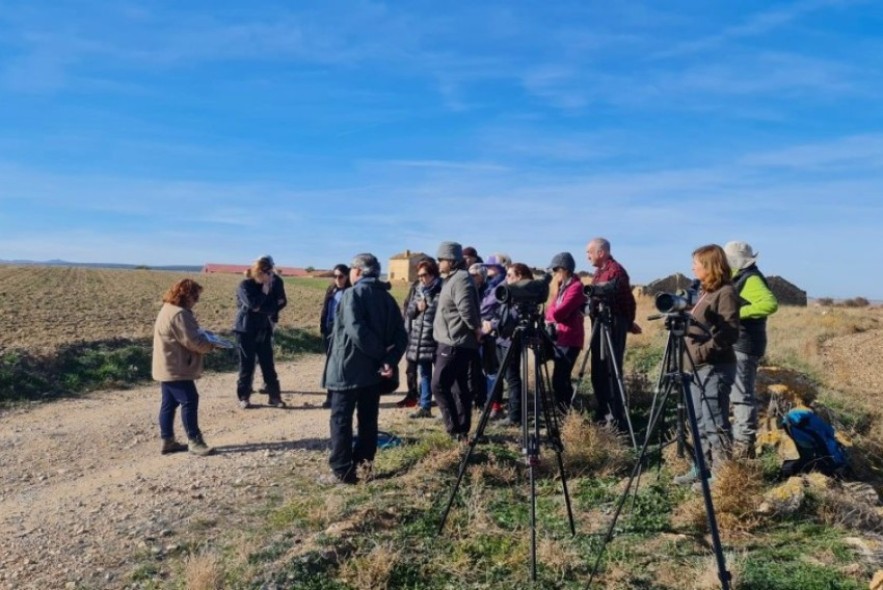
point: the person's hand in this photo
(386, 370)
(635, 328)
(421, 305)
(486, 327)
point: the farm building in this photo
(285, 271)
(403, 266)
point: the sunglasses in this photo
(420, 275)
(336, 276)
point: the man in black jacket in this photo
(368, 340)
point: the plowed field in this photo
(42, 308)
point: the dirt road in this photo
(85, 493)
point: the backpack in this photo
(816, 443)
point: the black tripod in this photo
(675, 379)
(602, 320)
(528, 335)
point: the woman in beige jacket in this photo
(178, 348)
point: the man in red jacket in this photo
(621, 302)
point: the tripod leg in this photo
(582, 367)
(616, 378)
(553, 436)
(699, 457)
(479, 431)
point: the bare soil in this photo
(86, 496)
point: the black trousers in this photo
(603, 379)
(565, 358)
(251, 346)
(451, 386)
(411, 378)
(365, 402)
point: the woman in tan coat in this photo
(710, 339)
(178, 348)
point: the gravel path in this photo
(84, 490)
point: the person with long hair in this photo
(421, 344)
(340, 281)
(256, 307)
(565, 311)
(709, 340)
(178, 349)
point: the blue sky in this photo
(184, 133)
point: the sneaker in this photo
(245, 404)
(688, 478)
(421, 413)
(197, 446)
(510, 423)
(276, 402)
(497, 412)
(170, 445)
(409, 401)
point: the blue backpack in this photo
(819, 449)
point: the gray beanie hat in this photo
(563, 260)
(450, 251)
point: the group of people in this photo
(448, 331)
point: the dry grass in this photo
(203, 571)
(590, 448)
(706, 576)
(736, 493)
(371, 571)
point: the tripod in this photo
(528, 335)
(675, 379)
(602, 320)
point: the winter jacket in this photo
(277, 291)
(254, 308)
(719, 312)
(489, 304)
(178, 346)
(758, 302)
(368, 333)
(325, 322)
(566, 312)
(421, 344)
(457, 317)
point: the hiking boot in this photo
(697, 487)
(170, 445)
(332, 479)
(688, 478)
(245, 404)
(198, 447)
(409, 401)
(276, 402)
(421, 413)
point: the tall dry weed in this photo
(737, 493)
(203, 571)
(589, 447)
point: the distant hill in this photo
(170, 267)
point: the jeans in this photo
(744, 400)
(425, 372)
(345, 457)
(174, 394)
(512, 376)
(452, 368)
(712, 408)
(251, 345)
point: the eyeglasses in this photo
(336, 276)
(421, 275)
